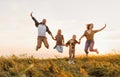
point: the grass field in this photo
(92, 66)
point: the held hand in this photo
(63, 44)
(66, 45)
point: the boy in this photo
(59, 38)
(71, 43)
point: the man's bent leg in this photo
(46, 43)
(39, 42)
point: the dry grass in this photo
(92, 66)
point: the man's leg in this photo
(46, 43)
(39, 42)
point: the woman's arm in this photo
(101, 28)
(82, 36)
(77, 42)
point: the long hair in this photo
(88, 26)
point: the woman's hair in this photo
(88, 26)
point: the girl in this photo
(89, 34)
(59, 38)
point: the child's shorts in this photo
(59, 48)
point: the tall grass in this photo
(92, 66)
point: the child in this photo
(59, 41)
(89, 34)
(71, 43)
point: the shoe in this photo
(97, 51)
(69, 62)
(72, 62)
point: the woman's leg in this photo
(87, 44)
(92, 47)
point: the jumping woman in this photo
(89, 34)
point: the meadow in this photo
(92, 66)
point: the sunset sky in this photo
(18, 33)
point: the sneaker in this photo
(69, 62)
(72, 62)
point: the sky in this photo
(18, 34)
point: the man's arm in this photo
(36, 22)
(49, 32)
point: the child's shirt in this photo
(59, 39)
(71, 43)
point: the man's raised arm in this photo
(36, 22)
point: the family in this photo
(59, 38)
